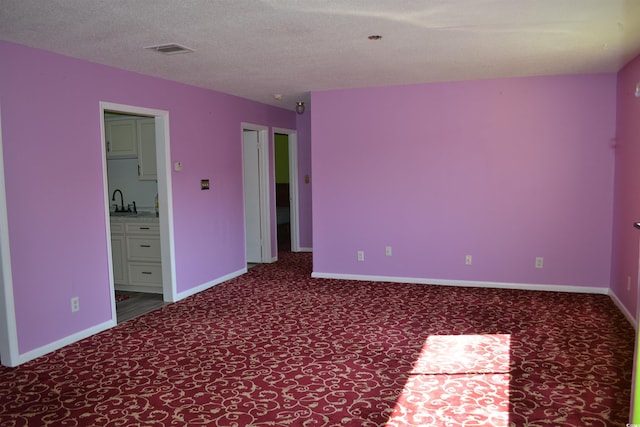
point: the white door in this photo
(252, 195)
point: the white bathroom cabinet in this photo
(128, 138)
(121, 137)
(139, 242)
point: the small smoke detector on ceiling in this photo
(170, 49)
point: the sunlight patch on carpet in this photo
(463, 379)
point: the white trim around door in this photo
(8, 330)
(165, 206)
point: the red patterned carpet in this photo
(121, 297)
(276, 348)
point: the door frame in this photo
(8, 329)
(165, 208)
(263, 190)
(292, 136)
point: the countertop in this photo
(140, 216)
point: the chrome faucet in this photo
(113, 198)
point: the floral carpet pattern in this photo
(277, 348)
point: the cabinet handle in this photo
(145, 246)
(138, 170)
(108, 146)
(147, 272)
(143, 228)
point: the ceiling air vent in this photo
(170, 49)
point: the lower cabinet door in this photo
(146, 275)
(119, 259)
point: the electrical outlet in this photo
(468, 260)
(387, 251)
(539, 262)
(360, 255)
(75, 304)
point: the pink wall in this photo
(504, 170)
(627, 188)
(55, 198)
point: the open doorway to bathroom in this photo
(137, 193)
(132, 195)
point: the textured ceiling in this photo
(258, 48)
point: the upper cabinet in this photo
(147, 166)
(121, 139)
(130, 138)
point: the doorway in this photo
(258, 189)
(136, 266)
(286, 182)
(283, 197)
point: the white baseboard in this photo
(305, 250)
(467, 283)
(41, 351)
(200, 288)
(623, 309)
(56, 345)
